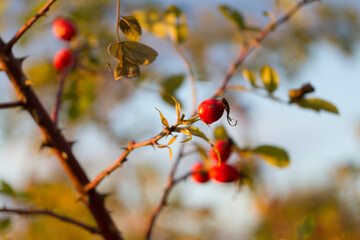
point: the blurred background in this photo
(316, 197)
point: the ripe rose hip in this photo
(224, 148)
(199, 177)
(211, 110)
(62, 59)
(223, 173)
(63, 28)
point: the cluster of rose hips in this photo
(64, 29)
(210, 111)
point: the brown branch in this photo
(131, 146)
(245, 51)
(60, 145)
(11, 105)
(31, 21)
(51, 214)
(191, 77)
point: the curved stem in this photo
(191, 77)
(117, 20)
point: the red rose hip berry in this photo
(64, 29)
(199, 177)
(62, 59)
(211, 110)
(224, 148)
(223, 173)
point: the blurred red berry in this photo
(224, 148)
(223, 173)
(64, 29)
(210, 110)
(199, 177)
(62, 59)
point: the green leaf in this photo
(317, 105)
(171, 84)
(130, 28)
(151, 21)
(220, 133)
(126, 69)
(4, 223)
(163, 119)
(138, 53)
(197, 132)
(176, 24)
(115, 50)
(233, 15)
(187, 133)
(306, 229)
(273, 155)
(6, 189)
(269, 78)
(250, 76)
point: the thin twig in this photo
(117, 20)
(131, 146)
(191, 77)
(63, 75)
(55, 111)
(245, 51)
(11, 104)
(164, 199)
(31, 21)
(254, 91)
(51, 214)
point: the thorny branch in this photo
(50, 214)
(31, 21)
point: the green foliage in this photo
(115, 50)
(164, 121)
(269, 78)
(306, 229)
(151, 20)
(250, 76)
(80, 94)
(220, 133)
(138, 53)
(130, 27)
(6, 189)
(126, 69)
(233, 15)
(273, 155)
(176, 25)
(317, 105)
(170, 85)
(4, 224)
(130, 55)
